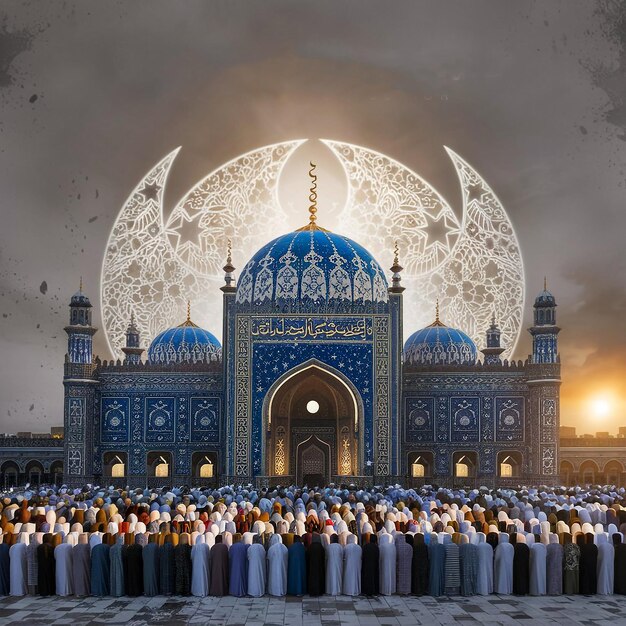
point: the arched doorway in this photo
(312, 416)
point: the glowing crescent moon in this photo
(474, 268)
(151, 269)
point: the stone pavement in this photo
(323, 611)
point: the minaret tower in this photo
(493, 350)
(80, 332)
(132, 350)
(544, 330)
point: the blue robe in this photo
(150, 556)
(167, 569)
(238, 569)
(296, 572)
(5, 567)
(468, 554)
(100, 570)
(117, 570)
(437, 573)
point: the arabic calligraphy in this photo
(312, 328)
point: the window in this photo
(506, 470)
(117, 470)
(206, 470)
(162, 470)
(461, 470)
(418, 470)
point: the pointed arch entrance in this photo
(312, 416)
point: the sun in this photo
(601, 406)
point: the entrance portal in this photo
(312, 434)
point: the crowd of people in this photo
(296, 541)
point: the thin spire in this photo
(493, 318)
(229, 252)
(132, 318)
(80, 286)
(437, 320)
(545, 283)
(313, 194)
(396, 251)
(188, 310)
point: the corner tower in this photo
(544, 330)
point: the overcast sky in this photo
(93, 93)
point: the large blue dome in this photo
(439, 345)
(312, 270)
(186, 343)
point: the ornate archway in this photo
(312, 417)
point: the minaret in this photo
(493, 350)
(396, 307)
(544, 331)
(229, 269)
(396, 268)
(80, 332)
(132, 350)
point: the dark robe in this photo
(296, 569)
(437, 571)
(100, 570)
(571, 568)
(521, 569)
(45, 570)
(134, 570)
(150, 557)
(468, 556)
(5, 570)
(182, 559)
(419, 569)
(620, 568)
(554, 569)
(81, 563)
(588, 568)
(238, 569)
(219, 570)
(369, 569)
(167, 569)
(315, 567)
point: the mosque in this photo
(312, 384)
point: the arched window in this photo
(465, 464)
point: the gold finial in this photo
(313, 194)
(189, 310)
(229, 252)
(545, 283)
(80, 286)
(437, 312)
(132, 318)
(396, 251)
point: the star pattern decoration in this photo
(437, 229)
(150, 191)
(475, 193)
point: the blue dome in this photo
(186, 343)
(312, 269)
(439, 345)
(80, 299)
(545, 298)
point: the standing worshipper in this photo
(19, 567)
(484, 577)
(334, 566)
(387, 565)
(419, 566)
(182, 561)
(370, 578)
(117, 567)
(316, 566)
(538, 569)
(200, 565)
(134, 569)
(437, 561)
(277, 563)
(238, 568)
(81, 560)
(150, 557)
(63, 569)
(503, 566)
(31, 556)
(452, 585)
(352, 554)
(45, 567)
(554, 566)
(296, 572)
(606, 559)
(588, 575)
(257, 568)
(468, 557)
(218, 585)
(619, 577)
(571, 565)
(5, 567)
(404, 558)
(521, 566)
(100, 569)
(167, 567)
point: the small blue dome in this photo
(80, 299)
(439, 345)
(545, 298)
(186, 343)
(312, 270)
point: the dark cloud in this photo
(530, 93)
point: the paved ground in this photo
(324, 611)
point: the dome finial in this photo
(313, 194)
(188, 311)
(229, 252)
(545, 283)
(437, 321)
(396, 268)
(396, 250)
(80, 285)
